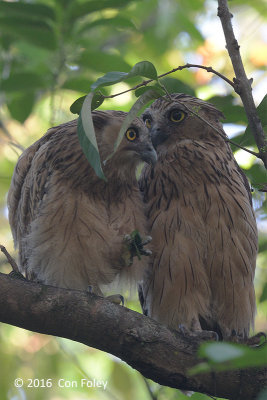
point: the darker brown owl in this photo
(199, 208)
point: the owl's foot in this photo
(198, 334)
(133, 245)
(114, 298)
(253, 341)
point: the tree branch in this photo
(242, 83)
(180, 68)
(157, 352)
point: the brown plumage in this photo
(201, 220)
(68, 224)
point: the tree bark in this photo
(157, 352)
(242, 83)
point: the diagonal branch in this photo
(242, 83)
(157, 352)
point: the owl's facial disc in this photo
(162, 128)
(140, 145)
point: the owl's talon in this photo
(253, 341)
(198, 334)
(114, 298)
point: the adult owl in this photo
(68, 224)
(200, 214)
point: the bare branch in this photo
(208, 69)
(157, 352)
(242, 83)
(10, 259)
(180, 68)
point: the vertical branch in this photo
(243, 84)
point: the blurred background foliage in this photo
(51, 53)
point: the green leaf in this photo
(186, 24)
(116, 22)
(80, 9)
(143, 68)
(109, 79)
(78, 84)
(97, 100)
(76, 106)
(22, 10)
(229, 356)
(102, 62)
(262, 113)
(36, 32)
(233, 113)
(20, 106)
(22, 81)
(144, 89)
(257, 174)
(173, 85)
(199, 396)
(262, 244)
(263, 296)
(87, 138)
(220, 352)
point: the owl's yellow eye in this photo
(177, 116)
(147, 122)
(131, 134)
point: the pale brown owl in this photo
(68, 224)
(200, 214)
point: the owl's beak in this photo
(158, 136)
(149, 155)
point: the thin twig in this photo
(208, 69)
(10, 259)
(181, 67)
(242, 83)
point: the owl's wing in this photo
(27, 189)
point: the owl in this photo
(68, 224)
(199, 209)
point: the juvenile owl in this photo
(199, 208)
(68, 224)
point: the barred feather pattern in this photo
(67, 223)
(199, 208)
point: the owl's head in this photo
(179, 116)
(136, 145)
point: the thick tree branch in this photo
(242, 83)
(157, 352)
